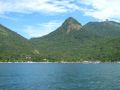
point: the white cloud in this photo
(102, 9)
(30, 6)
(41, 29)
(99, 9)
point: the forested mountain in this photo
(74, 42)
(70, 42)
(13, 46)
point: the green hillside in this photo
(74, 42)
(70, 42)
(13, 47)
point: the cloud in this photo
(41, 29)
(30, 6)
(102, 9)
(99, 9)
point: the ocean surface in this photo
(59, 76)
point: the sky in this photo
(36, 18)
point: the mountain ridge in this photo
(88, 43)
(12, 45)
(72, 41)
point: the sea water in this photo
(53, 76)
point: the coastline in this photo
(83, 62)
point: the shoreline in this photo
(84, 62)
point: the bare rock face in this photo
(71, 24)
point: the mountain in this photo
(70, 25)
(13, 46)
(59, 42)
(74, 42)
(71, 42)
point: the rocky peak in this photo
(71, 24)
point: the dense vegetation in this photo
(13, 47)
(70, 42)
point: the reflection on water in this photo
(59, 76)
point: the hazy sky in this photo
(34, 18)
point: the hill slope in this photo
(70, 42)
(74, 42)
(13, 46)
